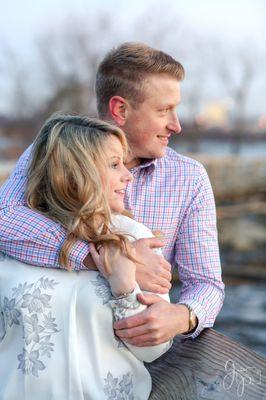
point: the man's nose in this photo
(174, 124)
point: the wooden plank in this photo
(210, 367)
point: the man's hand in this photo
(160, 322)
(154, 272)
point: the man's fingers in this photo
(156, 288)
(160, 282)
(164, 283)
(133, 332)
(143, 341)
(148, 299)
(146, 340)
(156, 284)
(166, 275)
(132, 322)
(153, 243)
(166, 265)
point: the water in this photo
(4, 142)
(243, 316)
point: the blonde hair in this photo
(65, 184)
(124, 69)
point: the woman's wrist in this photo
(121, 286)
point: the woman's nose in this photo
(127, 176)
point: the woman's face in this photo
(116, 175)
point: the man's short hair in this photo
(124, 69)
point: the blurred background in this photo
(49, 52)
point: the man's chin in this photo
(160, 153)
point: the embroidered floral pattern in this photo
(102, 288)
(37, 322)
(116, 389)
(120, 306)
(29, 362)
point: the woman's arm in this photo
(127, 306)
(124, 303)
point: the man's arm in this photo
(197, 256)
(198, 261)
(154, 272)
(28, 235)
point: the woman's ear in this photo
(118, 110)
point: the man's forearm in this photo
(206, 301)
(34, 239)
(197, 257)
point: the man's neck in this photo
(131, 163)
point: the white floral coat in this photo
(56, 334)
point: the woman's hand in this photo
(122, 276)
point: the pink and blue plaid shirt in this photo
(171, 194)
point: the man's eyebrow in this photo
(171, 105)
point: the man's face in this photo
(150, 124)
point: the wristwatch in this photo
(193, 320)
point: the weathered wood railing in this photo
(210, 367)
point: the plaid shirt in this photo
(171, 194)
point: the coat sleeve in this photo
(128, 306)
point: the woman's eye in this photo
(114, 165)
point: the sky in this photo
(230, 21)
(237, 19)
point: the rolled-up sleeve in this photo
(197, 256)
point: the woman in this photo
(56, 328)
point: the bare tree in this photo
(238, 84)
(69, 65)
(61, 72)
(236, 70)
(17, 74)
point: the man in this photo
(137, 88)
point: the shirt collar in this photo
(148, 165)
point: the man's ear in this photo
(118, 110)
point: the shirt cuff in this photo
(200, 314)
(78, 253)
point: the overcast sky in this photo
(231, 21)
(234, 18)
